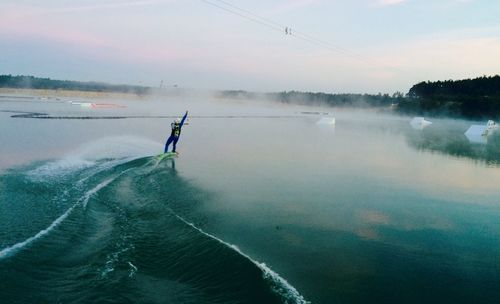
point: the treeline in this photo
(30, 82)
(310, 98)
(337, 100)
(477, 98)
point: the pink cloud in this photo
(34, 10)
(29, 24)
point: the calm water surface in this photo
(366, 211)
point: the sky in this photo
(359, 46)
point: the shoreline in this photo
(47, 93)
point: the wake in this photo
(12, 250)
(278, 284)
(107, 148)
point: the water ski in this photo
(167, 155)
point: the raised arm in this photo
(183, 119)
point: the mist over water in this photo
(365, 210)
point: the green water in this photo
(366, 211)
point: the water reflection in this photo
(342, 217)
(449, 138)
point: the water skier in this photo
(176, 132)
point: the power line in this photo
(300, 35)
(233, 9)
(251, 13)
(274, 27)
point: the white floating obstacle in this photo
(326, 121)
(82, 104)
(479, 133)
(419, 123)
(491, 126)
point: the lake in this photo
(263, 205)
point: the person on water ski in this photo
(176, 132)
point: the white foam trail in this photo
(94, 190)
(9, 251)
(6, 252)
(118, 147)
(109, 266)
(114, 257)
(108, 165)
(284, 288)
(133, 269)
(58, 168)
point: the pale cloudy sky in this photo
(336, 46)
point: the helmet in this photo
(177, 121)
